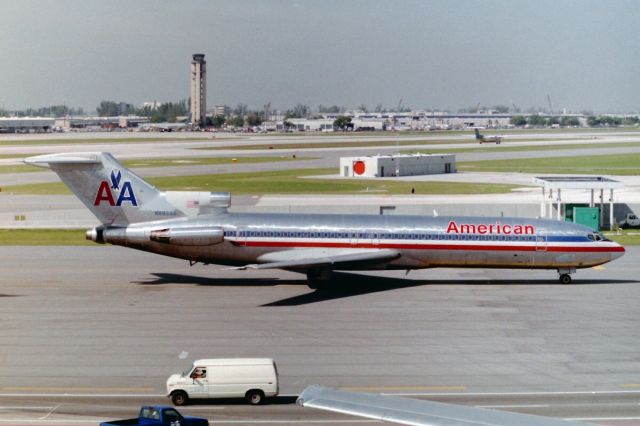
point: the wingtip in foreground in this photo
(415, 412)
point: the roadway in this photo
(89, 333)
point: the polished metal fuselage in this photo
(422, 242)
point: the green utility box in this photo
(588, 216)
(568, 210)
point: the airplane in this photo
(197, 226)
(489, 139)
(409, 411)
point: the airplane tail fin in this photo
(478, 135)
(114, 194)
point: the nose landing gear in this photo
(565, 277)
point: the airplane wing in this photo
(415, 412)
(308, 259)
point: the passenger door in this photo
(199, 387)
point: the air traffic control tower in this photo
(198, 88)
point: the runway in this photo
(90, 333)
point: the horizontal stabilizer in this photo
(54, 159)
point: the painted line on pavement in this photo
(74, 389)
(541, 393)
(514, 406)
(403, 388)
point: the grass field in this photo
(167, 162)
(92, 140)
(503, 148)
(298, 181)
(43, 237)
(377, 143)
(74, 237)
(203, 161)
(622, 164)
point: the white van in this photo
(250, 378)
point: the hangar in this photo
(397, 165)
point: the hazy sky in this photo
(430, 54)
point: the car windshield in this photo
(150, 413)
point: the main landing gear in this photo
(565, 277)
(318, 278)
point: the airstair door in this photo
(541, 243)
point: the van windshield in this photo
(186, 372)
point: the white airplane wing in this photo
(415, 412)
(307, 259)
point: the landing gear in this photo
(565, 277)
(318, 278)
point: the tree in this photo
(240, 110)
(536, 120)
(569, 122)
(593, 121)
(235, 121)
(218, 121)
(334, 109)
(298, 111)
(518, 120)
(254, 119)
(553, 120)
(342, 122)
(107, 109)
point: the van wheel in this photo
(179, 398)
(255, 397)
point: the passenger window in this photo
(171, 416)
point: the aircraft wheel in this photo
(565, 279)
(179, 398)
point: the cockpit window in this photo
(596, 236)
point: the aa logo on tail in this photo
(106, 192)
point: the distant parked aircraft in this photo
(196, 226)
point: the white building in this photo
(397, 165)
(26, 124)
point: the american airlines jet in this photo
(196, 226)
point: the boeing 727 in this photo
(197, 226)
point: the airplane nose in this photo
(617, 252)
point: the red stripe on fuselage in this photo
(471, 247)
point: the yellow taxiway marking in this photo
(71, 389)
(405, 388)
(599, 268)
(630, 385)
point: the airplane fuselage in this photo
(421, 242)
